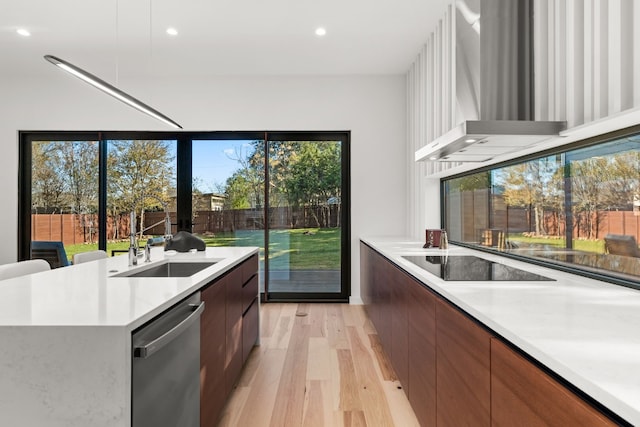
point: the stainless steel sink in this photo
(169, 269)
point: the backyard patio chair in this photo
(52, 252)
(619, 244)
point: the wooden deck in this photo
(311, 281)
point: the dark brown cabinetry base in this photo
(455, 373)
(213, 393)
(521, 394)
(463, 370)
(422, 354)
(227, 335)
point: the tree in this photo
(140, 176)
(603, 183)
(80, 162)
(237, 191)
(535, 184)
(624, 179)
(314, 177)
(248, 180)
(47, 184)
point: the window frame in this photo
(575, 268)
(184, 171)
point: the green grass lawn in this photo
(300, 249)
(596, 246)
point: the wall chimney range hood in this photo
(481, 140)
(493, 85)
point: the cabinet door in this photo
(422, 353)
(399, 283)
(212, 354)
(368, 266)
(233, 284)
(463, 369)
(383, 279)
(249, 292)
(249, 329)
(249, 268)
(522, 394)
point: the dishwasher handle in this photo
(149, 349)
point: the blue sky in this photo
(213, 161)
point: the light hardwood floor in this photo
(317, 365)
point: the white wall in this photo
(373, 108)
(432, 110)
(587, 59)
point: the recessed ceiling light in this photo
(172, 31)
(23, 32)
(470, 141)
(433, 158)
(321, 31)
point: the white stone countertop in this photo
(65, 334)
(88, 294)
(584, 330)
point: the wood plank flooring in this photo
(318, 365)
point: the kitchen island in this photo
(65, 334)
(581, 336)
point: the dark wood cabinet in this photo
(463, 369)
(249, 292)
(453, 370)
(369, 269)
(403, 313)
(233, 367)
(228, 331)
(250, 306)
(421, 310)
(399, 284)
(522, 394)
(249, 268)
(249, 329)
(212, 354)
(384, 280)
(386, 297)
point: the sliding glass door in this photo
(307, 183)
(228, 193)
(285, 192)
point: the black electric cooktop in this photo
(471, 268)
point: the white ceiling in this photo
(118, 38)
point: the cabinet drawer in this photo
(249, 329)
(249, 292)
(249, 268)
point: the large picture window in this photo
(577, 209)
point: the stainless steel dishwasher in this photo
(166, 368)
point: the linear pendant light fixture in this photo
(111, 90)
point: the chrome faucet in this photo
(147, 253)
(133, 243)
(167, 227)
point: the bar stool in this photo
(89, 256)
(21, 268)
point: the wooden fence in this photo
(75, 228)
